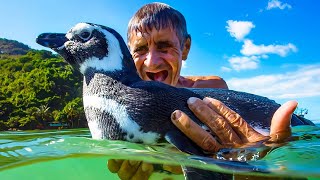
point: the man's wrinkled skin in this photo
(201, 82)
(230, 130)
(228, 126)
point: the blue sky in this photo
(270, 48)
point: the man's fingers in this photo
(280, 123)
(215, 122)
(173, 169)
(144, 171)
(238, 124)
(128, 169)
(114, 165)
(192, 130)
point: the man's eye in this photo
(163, 49)
(163, 46)
(85, 35)
(141, 49)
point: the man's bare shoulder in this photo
(202, 82)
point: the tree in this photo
(74, 112)
(37, 87)
(42, 113)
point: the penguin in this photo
(119, 105)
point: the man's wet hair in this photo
(158, 16)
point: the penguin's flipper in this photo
(191, 173)
(184, 144)
(180, 141)
(239, 166)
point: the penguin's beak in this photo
(52, 40)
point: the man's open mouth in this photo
(158, 76)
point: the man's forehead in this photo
(146, 33)
(136, 39)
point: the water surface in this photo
(72, 154)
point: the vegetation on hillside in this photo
(12, 47)
(38, 88)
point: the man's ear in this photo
(186, 48)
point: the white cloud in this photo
(249, 49)
(251, 52)
(244, 63)
(264, 56)
(239, 29)
(272, 4)
(296, 84)
(225, 69)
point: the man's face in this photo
(157, 55)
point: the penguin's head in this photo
(89, 45)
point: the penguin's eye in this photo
(85, 35)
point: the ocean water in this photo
(72, 154)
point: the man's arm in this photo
(202, 82)
(229, 127)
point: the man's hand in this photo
(129, 169)
(228, 126)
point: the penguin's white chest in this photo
(119, 112)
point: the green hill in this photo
(12, 47)
(37, 88)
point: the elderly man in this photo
(158, 41)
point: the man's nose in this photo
(153, 59)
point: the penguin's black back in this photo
(151, 103)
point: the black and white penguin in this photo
(119, 105)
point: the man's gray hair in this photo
(159, 16)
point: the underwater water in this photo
(72, 154)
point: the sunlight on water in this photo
(72, 154)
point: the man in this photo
(158, 41)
